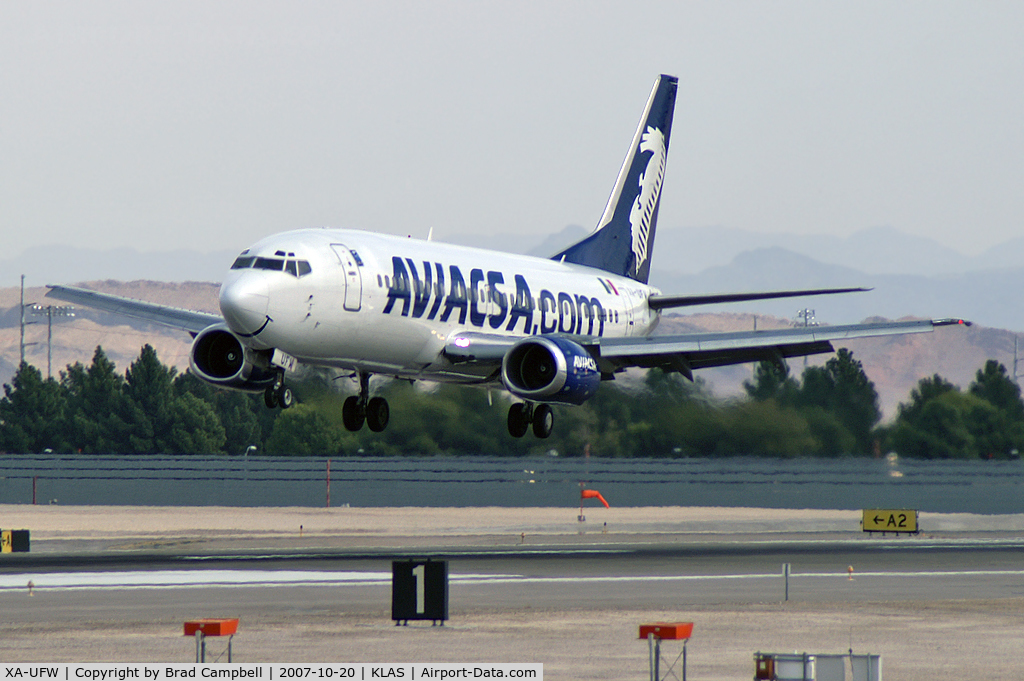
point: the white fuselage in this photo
(384, 304)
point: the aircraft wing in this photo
(696, 350)
(701, 350)
(175, 317)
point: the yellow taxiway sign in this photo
(889, 520)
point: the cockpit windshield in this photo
(276, 264)
(280, 262)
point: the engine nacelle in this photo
(550, 369)
(219, 357)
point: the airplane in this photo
(548, 331)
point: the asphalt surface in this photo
(614, 575)
(569, 598)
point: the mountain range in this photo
(908, 275)
(894, 364)
(933, 282)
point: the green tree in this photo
(992, 384)
(842, 390)
(1002, 430)
(32, 413)
(100, 413)
(245, 419)
(940, 421)
(927, 390)
(771, 381)
(303, 430)
(194, 428)
(149, 389)
(831, 436)
(765, 429)
(936, 426)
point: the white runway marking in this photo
(187, 578)
(158, 579)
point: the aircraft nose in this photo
(243, 302)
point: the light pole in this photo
(50, 311)
(807, 315)
(23, 323)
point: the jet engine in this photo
(219, 357)
(550, 369)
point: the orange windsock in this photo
(593, 494)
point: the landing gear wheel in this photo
(543, 421)
(377, 414)
(352, 413)
(270, 397)
(284, 397)
(518, 419)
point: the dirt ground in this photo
(918, 640)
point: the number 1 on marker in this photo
(420, 573)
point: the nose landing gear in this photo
(522, 415)
(278, 395)
(358, 409)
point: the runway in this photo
(620, 576)
(571, 601)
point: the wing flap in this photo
(719, 358)
(175, 317)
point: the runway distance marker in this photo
(419, 590)
(890, 520)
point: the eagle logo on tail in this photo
(653, 142)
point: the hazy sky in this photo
(212, 124)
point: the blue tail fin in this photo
(624, 238)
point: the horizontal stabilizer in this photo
(662, 302)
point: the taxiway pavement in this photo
(535, 587)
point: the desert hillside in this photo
(75, 339)
(895, 364)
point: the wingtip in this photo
(952, 321)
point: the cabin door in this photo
(353, 279)
(629, 312)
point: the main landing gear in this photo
(357, 409)
(279, 394)
(522, 414)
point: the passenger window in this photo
(291, 269)
(380, 282)
(304, 268)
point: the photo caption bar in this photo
(406, 671)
